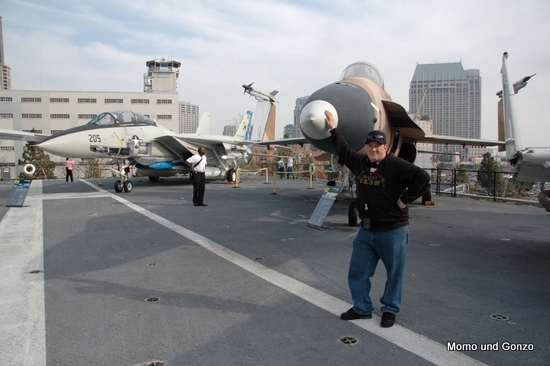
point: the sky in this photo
(293, 46)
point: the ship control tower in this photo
(161, 76)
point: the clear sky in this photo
(294, 46)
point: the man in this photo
(385, 185)
(290, 168)
(197, 167)
(281, 168)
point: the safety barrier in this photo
(310, 173)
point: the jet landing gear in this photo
(123, 184)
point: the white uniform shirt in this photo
(201, 167)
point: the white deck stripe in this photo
(398, 335)
(22, 313)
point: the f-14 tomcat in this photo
(153, 149)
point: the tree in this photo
(488, 174)
(41, 161)
(462, 174)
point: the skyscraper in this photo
(452, 101)
(5, 76)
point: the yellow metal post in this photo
(274, 181)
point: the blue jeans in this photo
(368, 248)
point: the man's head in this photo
(376, 145)
(202, 151)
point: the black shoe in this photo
(387, 320)
(202, 204)
(352, 315)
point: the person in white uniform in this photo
(197, 166)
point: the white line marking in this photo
(22, 317)
(398, 335)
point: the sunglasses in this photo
(376, 136)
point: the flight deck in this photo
(90, 276)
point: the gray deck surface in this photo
(245, 281)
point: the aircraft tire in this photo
(231, 175)
(128, 186)
(118, 186)
(29, 169)
(353, 217)
(427, 196)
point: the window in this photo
(87, 100)
(6, 115)
(59, 116)
(53, 132)
(6, 99)
(164, 101)
(113, 101)
(59, 100)
(139, 101)
(164, 116)
(6, 148)
(31, 115)
(30, 100)
(87, 116)
(35, 131)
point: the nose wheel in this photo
(123, 184)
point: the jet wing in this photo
(21, 136)
(175, 146)
(289, 141)
(440, 139)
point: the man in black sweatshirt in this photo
(385, 185)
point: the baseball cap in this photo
(376, 135)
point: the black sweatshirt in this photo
(378, 190)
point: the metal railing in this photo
(501, 185)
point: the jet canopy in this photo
(363, 69)
(120, 117)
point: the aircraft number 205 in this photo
(94, 138)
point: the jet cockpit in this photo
(121, 117)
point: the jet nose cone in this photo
(57, 146)
(312, 119)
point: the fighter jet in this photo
(259, 95)
(533, 164)
(131, 138)
(360, 104)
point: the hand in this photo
(329, 121)
(400, 204)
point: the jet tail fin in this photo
(244, 131)
(508, 122)
(204, 125)
(269, 131)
